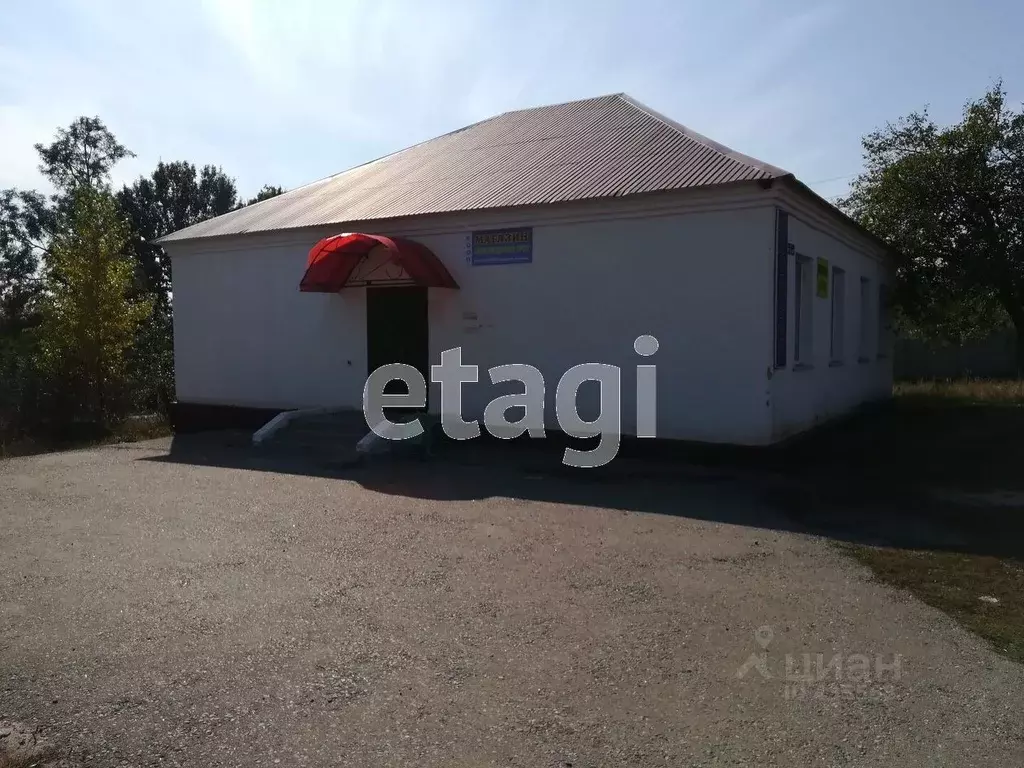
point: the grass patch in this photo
(955, 583)
(129, 431)
(963, 391)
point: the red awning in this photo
(332, 260)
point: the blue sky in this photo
(288, 92)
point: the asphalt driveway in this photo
(163, 611)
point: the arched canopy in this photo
(332, 261)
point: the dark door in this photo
(396, 331)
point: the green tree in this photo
(81, 155)
(24, 218)
(89, 319)
(950, 200)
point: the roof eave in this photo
(792, 181)
(358, 224)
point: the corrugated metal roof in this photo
(609, 146)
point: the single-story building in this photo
(552, 237)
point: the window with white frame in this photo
(803, 316)
(838, 314)
(864, 349)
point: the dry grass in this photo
(129, 431)
(955, 583)
(964, 390)
(141, 428)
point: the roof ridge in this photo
(556, 104)
(729, 152)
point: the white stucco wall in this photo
(805, 395)
(697, 276)
(244, 335)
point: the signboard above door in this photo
(501, 246)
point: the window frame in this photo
(863, 348)
(837, 351)
(804, 276)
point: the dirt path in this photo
(162, 612)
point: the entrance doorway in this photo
(397, 331)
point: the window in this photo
(864, 349)
(884, 320)
(838, 314)
(803, 318)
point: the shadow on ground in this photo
(879, 478)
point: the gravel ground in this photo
(166, 612)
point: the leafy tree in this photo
(19, 300)
(268, 191)
(24, 218)
(151, 362)
(82, 266)
(81, 155)
(950, 200)
(174, 196)
(89, 320)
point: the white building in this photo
(768, 303)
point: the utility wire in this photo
(835, 178)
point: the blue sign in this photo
(502, 246)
